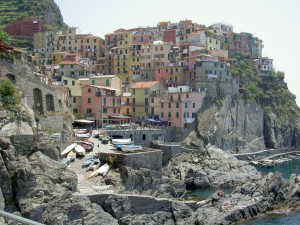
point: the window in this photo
(62, 66)
(88, 110)
(169, 105)
(146, 91)
(169, 114)
(177, 114)
(104, 110)
(93, 82)
(185, 105)
(89, 90)
(194, 105)
(74, 100)
(107, 82)
(133, 91)
(152, 100)
(89, 100)
(177, 105)
(133, 109)
(114, 110)
(133, 101)
(187, 95)
(162, 105)
(65, 82)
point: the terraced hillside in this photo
(11, 10)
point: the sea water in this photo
(282, 218)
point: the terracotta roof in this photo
(144, 84)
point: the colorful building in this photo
(143, 102)
(180, 105)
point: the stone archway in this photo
(49, 103)
(38, 100)
(12, 77)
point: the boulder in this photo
(4, 143)
(117, 206)
(16, 129)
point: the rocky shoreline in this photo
(40, 188)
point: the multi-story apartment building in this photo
(73, 66)
(180, 105)
(263, 65)
(75, 93)
(246, 43)
(27, 27)
(143, 101)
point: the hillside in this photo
(11, 10)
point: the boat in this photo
(87, 135)
(126, 141)
(68, 149)
(71, 156)
(80, 151)
(87, 145)
(80, 131)
(88, 161)
(105, 140)
(129, 148)
(94, 165)
(103, 170)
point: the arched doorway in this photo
(49, 102)
(38, 100)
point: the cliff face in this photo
(237, 126)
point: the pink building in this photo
(101, 103)
(139, 37)
(180, 106)
(263, 65)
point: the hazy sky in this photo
(276, 22)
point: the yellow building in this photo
(143, 99)
(126, 104)
(75, 93)
(213, 41)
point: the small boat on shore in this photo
(126, 141)
(87, 145)
(103, 170)
(129, 148)
(94, 165)
(68, 149)
(80, 151)
(71, 156)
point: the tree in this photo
(3, 36)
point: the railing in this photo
(19, 219)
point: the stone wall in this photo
(140, 136)
(26, 81)
(169, 150)
(149, 159)
(53, 123)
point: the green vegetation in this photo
(269, 91)
(11, 10)
(10, 100)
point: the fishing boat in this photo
(68, 149)
(129, 148)
(71, 156)
(94, 165)
(126, 141)
(80, 151)
(103, 170)
(87, 145)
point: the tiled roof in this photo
(144, 84)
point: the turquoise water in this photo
(286, 169)
(283, 218)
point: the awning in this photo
(83, 121)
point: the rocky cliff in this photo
(238, 126)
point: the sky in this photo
(276, 22)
